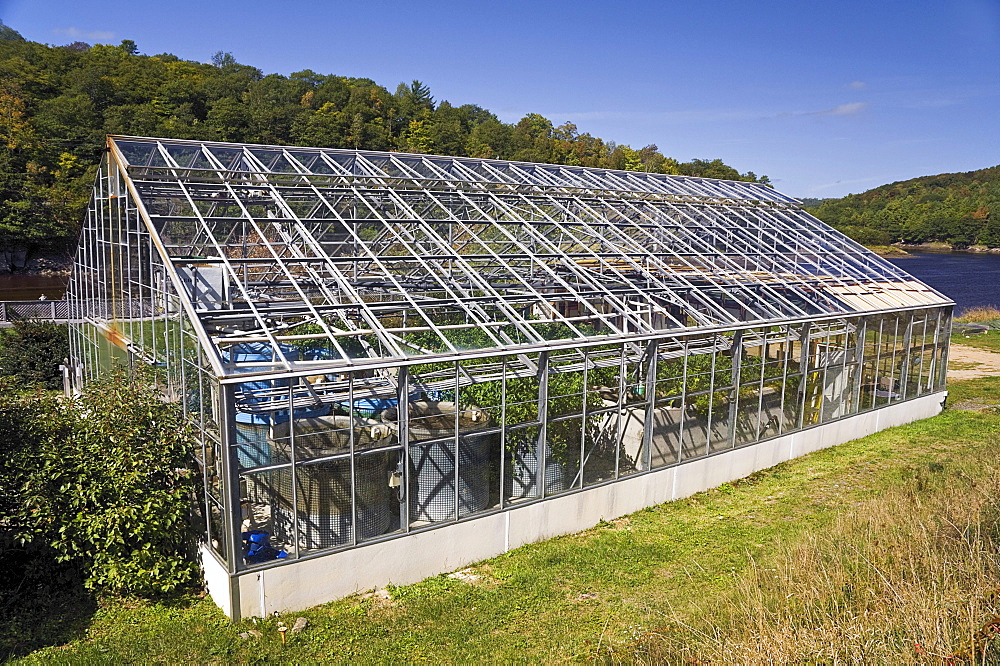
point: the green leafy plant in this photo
(111, 485)
(31, 352)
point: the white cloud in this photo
(76, 33)
(841, 183)
(669, 117)
(681, 117)
(849, 109)
(857, 85)
(845, 109)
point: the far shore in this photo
(902, 250)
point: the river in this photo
(30, 287)
(969, 279)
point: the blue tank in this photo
(253, 428)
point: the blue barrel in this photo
(253, 448)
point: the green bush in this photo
(31, 352)
(109, 484)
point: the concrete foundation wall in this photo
(217, 581)
(300, 584)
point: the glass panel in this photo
(525, 464)
(813, 394)
(719, 427)
(565, 440)
(614, 437)
(747, 416)
(772, 414)
(266, 505)
(481, 450)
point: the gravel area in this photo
(970, 362)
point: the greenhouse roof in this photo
(372, 256)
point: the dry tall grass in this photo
(909, 577)
(977, 314)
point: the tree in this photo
(9, 34)
(57, 101)
(632, 159)
(415, 97)
(32, 351)
(417, 138)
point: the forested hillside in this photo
(57, 103)
(962, 209)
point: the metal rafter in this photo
(369, 245)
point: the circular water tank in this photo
(252, 427)
(432, 463)
(323, 489)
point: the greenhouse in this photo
(402, 364)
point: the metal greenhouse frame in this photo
(374, 345)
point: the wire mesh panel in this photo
(336, 497)
(440, 477)
(528, 479)
(323, 504)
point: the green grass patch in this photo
(610, 593)
(888, 250)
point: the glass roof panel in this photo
(379, 256)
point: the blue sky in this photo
(825, 98)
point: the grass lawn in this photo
(853, 536)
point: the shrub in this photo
(111, 485)
(31, 352)
(978, 314)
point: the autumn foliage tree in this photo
(57, 103)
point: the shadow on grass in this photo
(42, 602)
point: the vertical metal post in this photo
(403, 423)
(543, 416)
(711, 403)
(622, 388)
(862, 329)
(583, 421)
(503, 429)
(293, 471)
(904, 369)
(735, 391)
(892, 364)
(458, 445)
(946, 321)
(64, 370)
(648, 423)
(758, 429)
(351, 467)
(230, 478)
(803, 372)
(932, 375)
(681, 422)
(923, 346)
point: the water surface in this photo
(30, 287)
(971, 280)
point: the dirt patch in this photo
(969, 363)
(974, 406)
